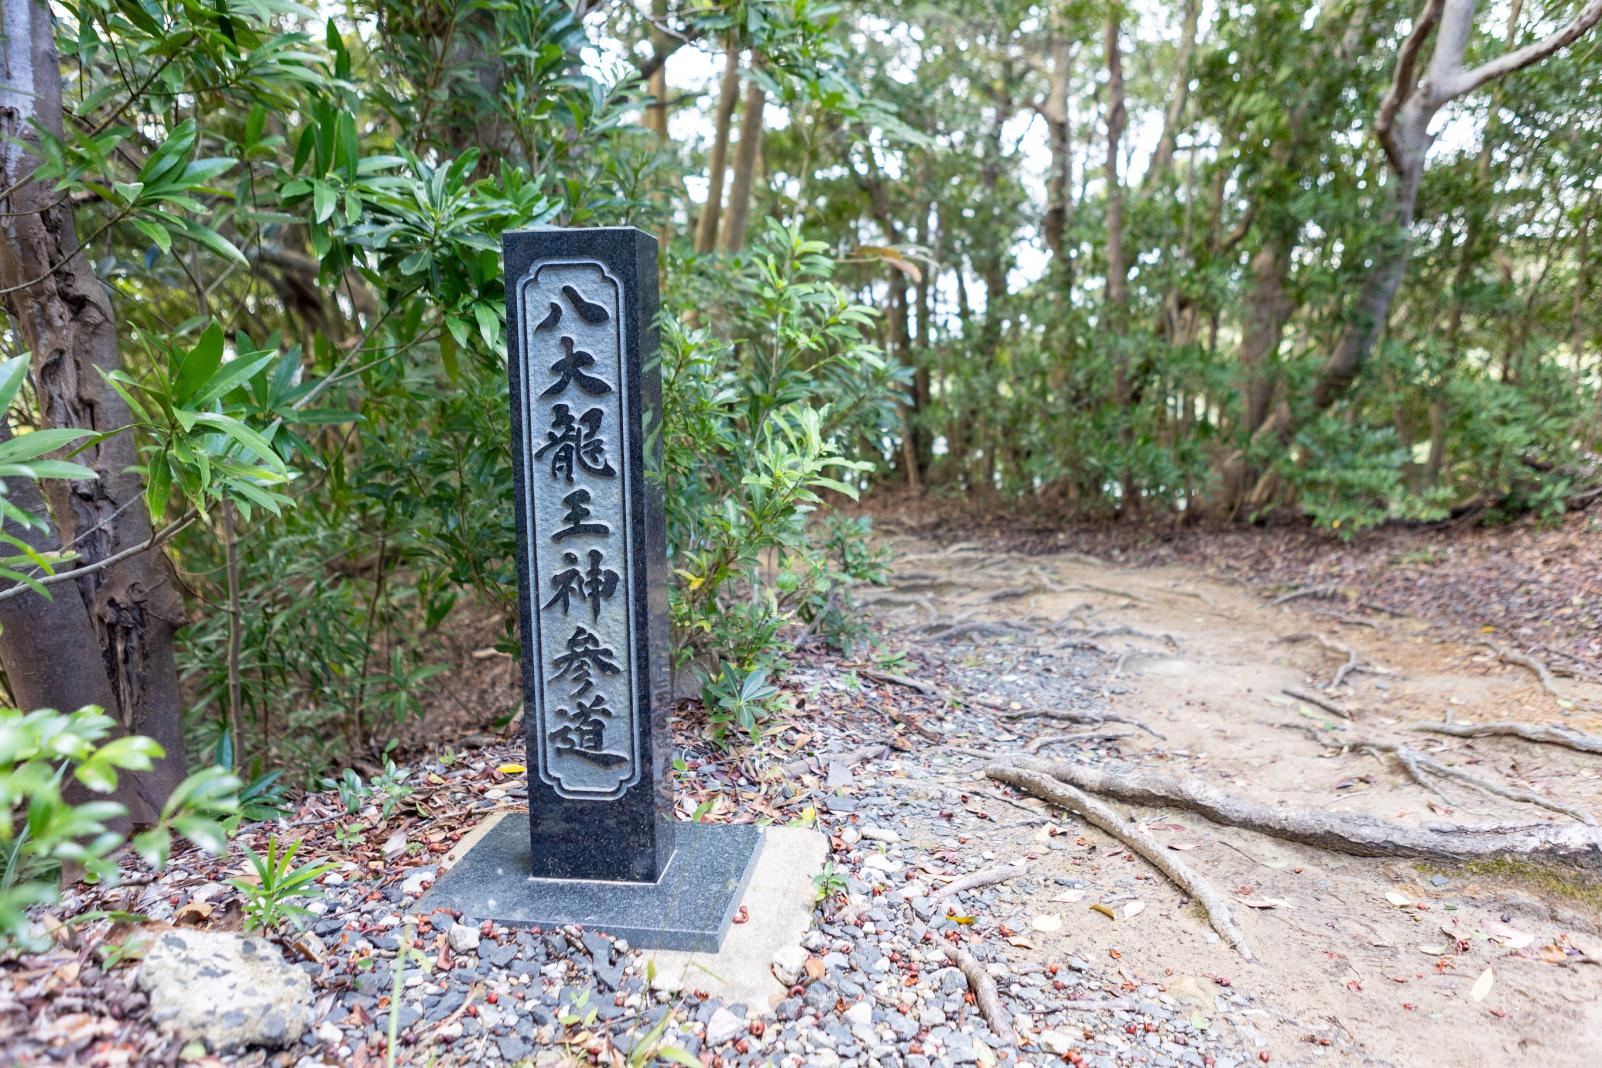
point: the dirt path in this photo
(1384, 960)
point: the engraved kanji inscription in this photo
(577, 517)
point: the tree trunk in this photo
(1117, 296)
(1055, 111)
(745, 162)
(114, 645)
(706, 229)
(1162, 158)
(656, 114)
(1117, 266)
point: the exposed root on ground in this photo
(1547, 734)
(1353, 661)
(1030, 778)
(1011, 593)
(1568, 845)
(1420, 766)
(1530, 664)
(988, 877)
(1037, 744)
(979, 629)
(1306, 591)
(1086, 718)
(984, 993)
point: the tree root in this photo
(1011, 593)
(979, 629)
(1547, 734)
(1353, 661)
(1306, 591)
(1037, 744)
(1032, 779)
(988, 877)
(984, 993)
(1117, 632)
(1092, 719)
(1567, 845)
(1419, 766)
(1530, 664)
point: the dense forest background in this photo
(1328, 263)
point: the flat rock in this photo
(227, 990)
(789, 964)
(462, 938)
(723, 1027)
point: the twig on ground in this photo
(1357, 834)
(984, 993)
(1321, 702)
(1044, 786)
(850, 758)
(1547, 734)
(928, 689)
(1037, 744)
(988, 877)
(1344, 670)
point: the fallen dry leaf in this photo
(1133, 909)
(1046, 922)
(1482, 985)
(1104, 910)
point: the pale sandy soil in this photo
(1205, 664)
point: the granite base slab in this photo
(689, 908)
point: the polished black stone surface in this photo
(630, 837)
(689, 908)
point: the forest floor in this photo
(1386, 957)
(1165, 650)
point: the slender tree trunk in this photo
(745, 163)
(108, 639)
(1117, 292)
(1582, 282)
(656, 115)
(1117, 295)
(706, 229)
(1162, 158)
(1055, 111)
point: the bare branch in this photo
(1518, 59)
(1405, 81)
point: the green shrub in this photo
(41, 831)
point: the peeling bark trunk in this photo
(116, 645)
(706, 228)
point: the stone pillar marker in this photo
(599, 846)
